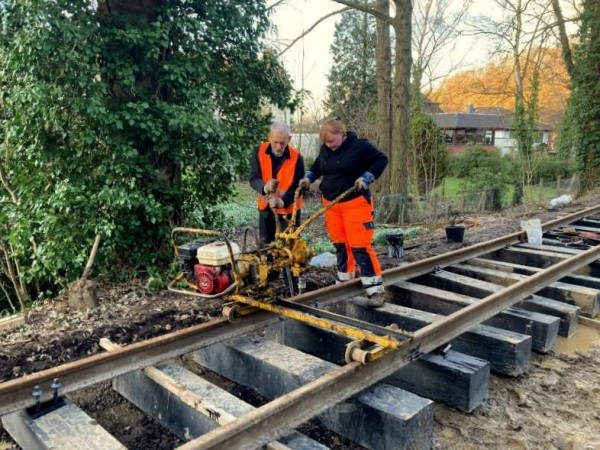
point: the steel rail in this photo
(422, 267)
(16, 394)
(274, 419)
(196, 402)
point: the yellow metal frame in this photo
(288, 250)
(382, 344)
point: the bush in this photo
(552, 167)
(428, 152)
(485, 170)
(475, 159)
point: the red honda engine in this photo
(211, 279)
(212, 273)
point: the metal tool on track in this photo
(211, 266)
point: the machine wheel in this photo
(231, 313)
(355, 352)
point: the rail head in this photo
(16, 394)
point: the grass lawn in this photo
(451, 188)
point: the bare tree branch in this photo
(434, 28)
(6, 183)
(7, 186)
(276, 4)
(312, 27)
(7, 295)
(370, 8)
(12, 274)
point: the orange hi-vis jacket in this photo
(285, 177)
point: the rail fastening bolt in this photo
(55, 387)
(37, 396)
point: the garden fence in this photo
(442, 208)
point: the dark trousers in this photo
(266, 224)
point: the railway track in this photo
(532, 293)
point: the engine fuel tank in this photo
(216, 253)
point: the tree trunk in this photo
(585, 90)
(564, 39)
(384, 89)
(141, 14)
(401, 105)
(416, 107)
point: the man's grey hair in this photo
(282, 127)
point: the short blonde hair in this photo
(333, 126)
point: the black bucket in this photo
(395, 244)
(455, 233)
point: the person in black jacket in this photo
(346, 161)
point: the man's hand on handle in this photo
(271, 186)
(275, 202)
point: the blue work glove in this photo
(362, 182)
(305, 182)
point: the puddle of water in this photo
(555, 365)
(448, 433)
(581, 341)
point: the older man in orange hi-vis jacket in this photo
(276, 169)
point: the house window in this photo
(470, 134)
(475, 135)
(539, 137)
(460, 137)
(488, 139)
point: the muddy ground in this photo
(554, 406)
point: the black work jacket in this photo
(340, 168)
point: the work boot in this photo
(374, 290)
(342, 277)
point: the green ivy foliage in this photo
(584, 110)
(122, 122)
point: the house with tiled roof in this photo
(486, 126)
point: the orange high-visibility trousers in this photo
(350, 226)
